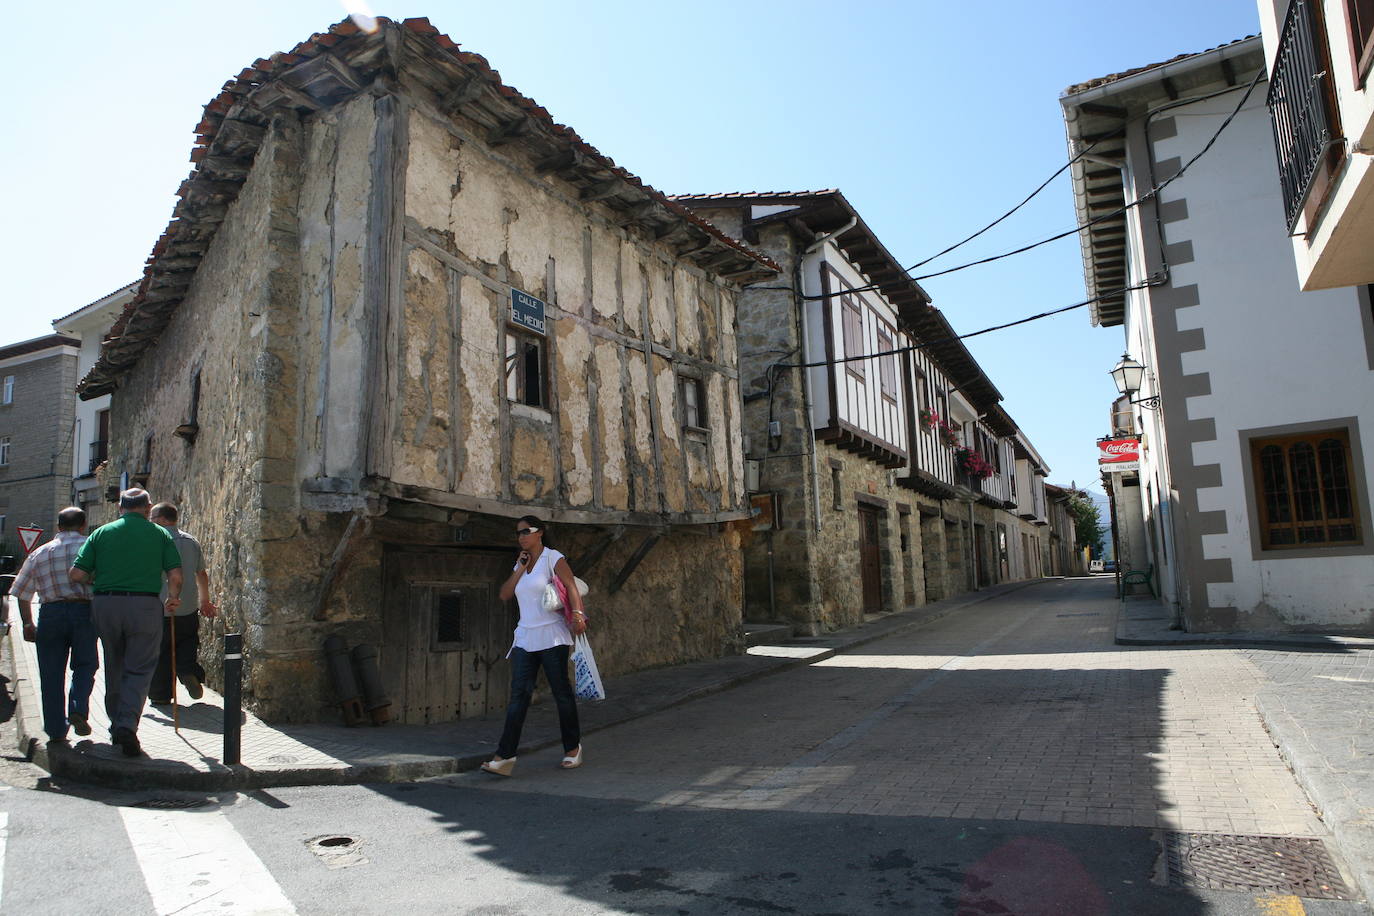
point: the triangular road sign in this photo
(28, 537)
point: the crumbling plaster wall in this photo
(479, 221)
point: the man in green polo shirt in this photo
(124, 562)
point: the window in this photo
(7, 392)
(147, 466)
(838, 503)
(526, 368)
(1361, 13)
(887, 366)
(194, 414)
(693, 393)
(1306, 491)
(853, 335)
(448, 621)
(100, 447)
(4, 450)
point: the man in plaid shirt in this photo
(64, 627)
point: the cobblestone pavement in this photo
(1018, 709)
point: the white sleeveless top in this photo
(539, 629)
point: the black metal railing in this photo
(1300, 106)
(99, 451)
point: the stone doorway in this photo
(445, 633)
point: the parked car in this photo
(1095, 566)
(1109, 566)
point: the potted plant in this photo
(949, 434)
(927, 417)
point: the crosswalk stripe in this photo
(195, 862)
(4, 837)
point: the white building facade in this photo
(1253, 483)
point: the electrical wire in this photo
(930, 342)
(1148, 195)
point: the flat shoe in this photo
(80, 724)
(572, 761)
(192, 685)
(504, 767)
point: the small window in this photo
(7, 392)
(887, 366)
(853, 328)
(527, 369)
(4, 451)
(835, 485)
(448, 621)
(147, 466)
(693, 402)
(194, 413)
(1306, 491)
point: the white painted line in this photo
(4, 837)
(195, 862)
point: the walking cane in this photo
(172, 635)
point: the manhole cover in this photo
(283, 758)
(1276, 864)
(171, 804)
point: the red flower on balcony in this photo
(973, 464)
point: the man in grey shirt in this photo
(185, 625)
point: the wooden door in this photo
(980, 572)
(870, 565)
(445, 633)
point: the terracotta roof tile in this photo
(119, 354)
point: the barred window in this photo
(1306, 491)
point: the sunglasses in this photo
(521, 532)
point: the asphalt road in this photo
(1006, 760)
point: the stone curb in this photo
(1179, 639)
(133, 775)
(1342, 813)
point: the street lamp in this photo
(1128, 374)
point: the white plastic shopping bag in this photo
(586, 679)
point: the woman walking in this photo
(543, 639)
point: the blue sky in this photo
(932, 118)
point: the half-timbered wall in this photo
(864, 398)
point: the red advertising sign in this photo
(1118, 454)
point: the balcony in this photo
(99, 452)
(1302, 107)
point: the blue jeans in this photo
(524, 671)
(65, 632)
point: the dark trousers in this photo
(185, 630)
(65, 632)
(129, 627)
(524, 671)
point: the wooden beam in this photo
(628, 569)
(638, 212)
(338, 563)
(558, 162)
(465, 92)
(593, 554)
(507, 131)
(601, 189)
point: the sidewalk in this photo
(1317, 709)
(288, 755)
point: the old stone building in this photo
(399, 307)
(37, 384)
(887, 470)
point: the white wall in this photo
(1275, 356)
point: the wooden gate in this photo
(870, 565)
(445, 633)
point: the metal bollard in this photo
(233, 697)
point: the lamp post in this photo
(1127, 375)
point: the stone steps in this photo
(763, 634)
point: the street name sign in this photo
(526, 311)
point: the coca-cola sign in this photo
(1118, 454)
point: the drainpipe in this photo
(806, 373)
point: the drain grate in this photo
(1226, 862)
(171, 804)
